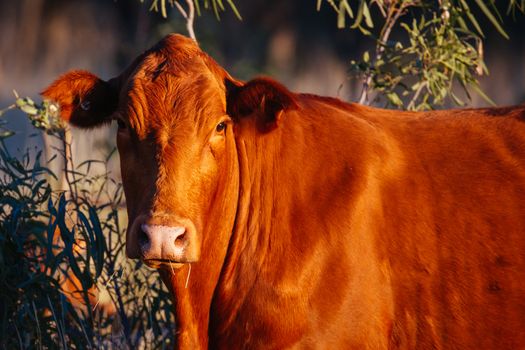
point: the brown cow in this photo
(284, 220)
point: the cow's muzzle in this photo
(161, 245)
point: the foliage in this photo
(42, 115)
(192, 6)
(216, 6)
(48, 236)
(25, 289)
(424, 49)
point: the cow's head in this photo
(176, 111)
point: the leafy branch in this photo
(192, 7)
(438, 48)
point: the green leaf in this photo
(6, 133)
(341, 16)
(215, 9)
(475, 24)
(234, 9)
(359, 17)
(366, 57)
(491, 17)
(163, 8)
(100, 242)
(394, 99)
(366, 14)
(348, 9)
(495, 10)
(197, 7)
(28, 109)
(480, 92)
(456, 99)
(365, 31)
(471, 17)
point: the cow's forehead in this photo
(173, 86)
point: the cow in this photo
(289, 220)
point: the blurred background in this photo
(288, 40)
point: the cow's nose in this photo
(162, 242)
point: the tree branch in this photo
(394, 12)
(189, 16)
(416, 95)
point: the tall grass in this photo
(64, 279)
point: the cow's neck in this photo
(282, 188)
(192, 286)
(190, 320)
(252, 235)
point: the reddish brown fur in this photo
(338, 226)
(77, 87)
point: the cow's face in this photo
(177, 150)
(175, 109)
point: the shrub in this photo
(62, 250)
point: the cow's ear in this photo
(263, 98)
(85, 100)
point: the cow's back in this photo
(375, 229)
(454, 224)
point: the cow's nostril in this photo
(143, 238)
(180, 242)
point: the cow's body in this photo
(380, 229)
(333, 225)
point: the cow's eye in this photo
(221, 127)
(120, 124)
